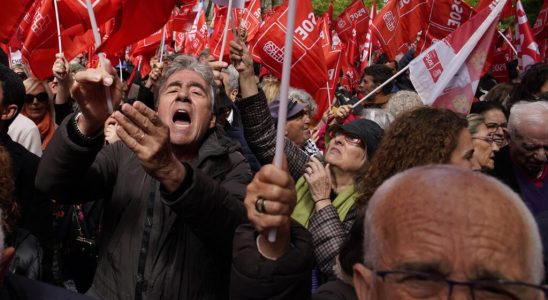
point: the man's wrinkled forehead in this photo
(177, 80)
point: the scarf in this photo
(304, 209)
(46, 128)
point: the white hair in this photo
(233, 77)
(372, 238)
(535, 113)
(303, 97)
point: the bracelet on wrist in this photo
(319, 200)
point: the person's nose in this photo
(183, 95)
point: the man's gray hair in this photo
(303, 97)
(186, 62)
(233, 77)
(534, 113)
(372, 238)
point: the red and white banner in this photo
(502, 56)
(368, 46)
(447, 74)
(400, 23)
(355, 12)
(540, 30)
(196, 40)
(507, 11)
(527, 47)
(251, 18)
(11, 14)
(235, 3)
(308, 69)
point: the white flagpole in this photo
(284, 93)
(58, 27)
(121, 76)
(9, 57)
(329, 101)
(381, 86)
(508, 42)
(162, 44)
(139, 65)
(225, 31)
(102, 59)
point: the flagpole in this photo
(284, 93)
(162, 44)
(9, 57)
(102, 59)
(328, 94)
(225, 31)
(508, 42)
(381, 86)
(121, 76)
(58, 27)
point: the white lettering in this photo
(306, 27)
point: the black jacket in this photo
(504, 169)
(256, 277)
(21, 288)
(160, 245)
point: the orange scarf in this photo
(46, 128)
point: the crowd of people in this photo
(173, 194)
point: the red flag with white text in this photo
(251, 18)
(527, 47)
(355, 12)
(540, 29)
(368, 45)
(448, 73)
(196, 40)
(216, 38)
(12, 17)
(308, 70)
(507, 11)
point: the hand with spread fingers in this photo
(88, 90)
(140, 128)
(269, 201)
(155, 73)
(318, 178)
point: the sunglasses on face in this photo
(21, 75)
(348, 137)
(41, 97)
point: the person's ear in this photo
(363, 282)
(6, 257)
(212, 121)
(9, 112)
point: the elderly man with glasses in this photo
(523, 164)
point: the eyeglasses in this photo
(41, 97)
(495, 126)
(348, 137)
(488, 139)
(421, 285)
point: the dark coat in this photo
(504, 169)
(189, 232)
(256, 277)
(21, 288)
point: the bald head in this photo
(452, 222)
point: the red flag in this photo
(368, 46)
(333, 58)
(447, 74)
(507, 11)
(197, 39)
(251, 18)
(216, 38)
(182, 19)
(11, 14)
(356, 11)
(400, 23)
(351, 50)
(528, 49)
(540, 30)
(308, 70)
(148, 45)
(502, 56)
(135, 20)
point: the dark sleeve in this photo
(210, 208)
(406, 59)
(256, 277)
(146, 96)
(72, 170)
(328, 234)
(260, 133)
(62, 111)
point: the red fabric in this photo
(308, 70)
(528, 49)
(333, 58)
(11, 14)
(357, 12)
(40, 41)
(251, 18)
(368, 45)
(507, 11)
(352, 51)
(400, 23)
(144, 15)
(540, 30)
(197, 39)
(216, 38)
(182, 18)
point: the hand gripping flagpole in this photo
(58, 27)
(284, 93)
(225, 31)
(102, 59)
